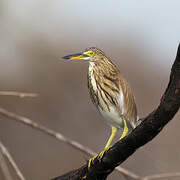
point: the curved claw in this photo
(101, 154)
(91, 161)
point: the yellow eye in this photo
(91, 53)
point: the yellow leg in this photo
(113, 134)
(108, 145)
(125, 130)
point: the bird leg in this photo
(108, 145)
(125, 130)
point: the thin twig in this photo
(60, 137)
(160, 176)
(18, 94)
(4, 167)
(128, 173)
(12, 162)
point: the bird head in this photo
(90, 54)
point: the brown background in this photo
(34, 35)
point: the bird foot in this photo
(91, 161)
(99, 156)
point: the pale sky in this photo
(153, 25)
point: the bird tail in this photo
(136, 123)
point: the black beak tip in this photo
(65, 57)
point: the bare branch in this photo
(46, 130)
(4, 167)
(60, 137)
(12, 162)
(127, 173)
(18, 94)
(160, 176)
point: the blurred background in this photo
(141, 37)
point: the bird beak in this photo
(77, 56)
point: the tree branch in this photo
(18, 94)
(41, 128)
(142, 134)
(11, 160)
(4, 167)
(160, 176)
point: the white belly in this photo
(113, 117)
